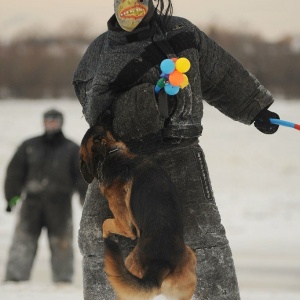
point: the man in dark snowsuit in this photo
(115, 82)
(44, 172)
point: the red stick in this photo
(297, 126)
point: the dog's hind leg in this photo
(181, 283)
(132, 263)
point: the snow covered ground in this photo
(256, 184)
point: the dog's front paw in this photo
(105, 234)
(133, 237)
(106, 228)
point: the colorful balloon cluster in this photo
(173, 78)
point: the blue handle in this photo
(282, 123)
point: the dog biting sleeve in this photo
(136, 113)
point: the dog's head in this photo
(95, 145)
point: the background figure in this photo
(44, 173)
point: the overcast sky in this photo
(270, 18)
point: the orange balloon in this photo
(176, 78)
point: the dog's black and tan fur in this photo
(145, 205)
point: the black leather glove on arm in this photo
(263, 124)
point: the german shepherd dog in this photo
(146, 207)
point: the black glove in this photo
(263, 124)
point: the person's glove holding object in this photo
(12, 202)
(263, 124)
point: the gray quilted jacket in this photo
(119, 71)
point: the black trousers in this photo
(36, 213)
(185, 163)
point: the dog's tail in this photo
(125, 283)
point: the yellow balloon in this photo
(182, 64)
(185, 82)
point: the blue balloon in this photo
(171, 89)
(167, 66)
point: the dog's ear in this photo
(85, 170)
